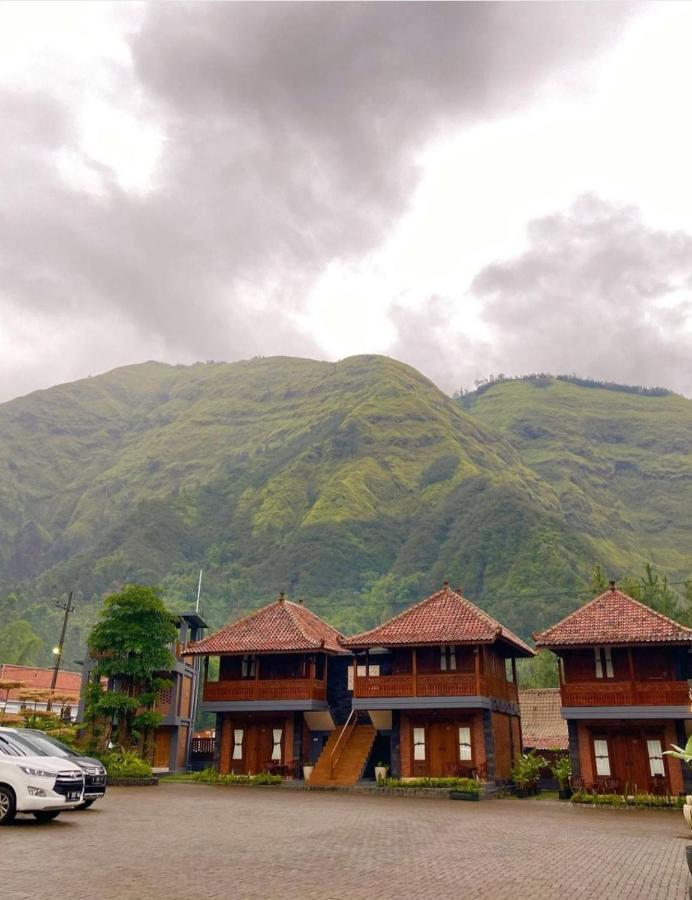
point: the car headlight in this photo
(37, 773)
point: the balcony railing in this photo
(265, 689)
(439, 684)
(625, 693)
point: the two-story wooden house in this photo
(624, 693)
(436, 686)
(277, 696)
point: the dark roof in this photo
(614, 618)
(542, 726)
(281, 626)
(443, 618)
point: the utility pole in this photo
(58, 650)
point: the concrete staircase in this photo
(351, 759)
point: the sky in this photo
(473, 188)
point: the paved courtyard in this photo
(183, 841)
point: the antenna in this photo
(199, 590)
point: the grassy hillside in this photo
(620, 464)
(358, 485)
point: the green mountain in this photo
(619, 460)
(357, 485)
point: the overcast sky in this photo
(471, 188)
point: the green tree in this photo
(130, 643)
(20, 645)
(539, 672)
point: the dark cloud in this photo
(597, 293)
(291, 133)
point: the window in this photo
(419, 744)
(448, 657)
(374, 673)
(465, 743)
(604, 662)
(249, 666)
(655, 751)
(600, 749)
(238, 734)
(276, 744)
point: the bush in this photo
(470, 785)
(527, 769)
(211, 776)
(640, 801)
(562, 769)
(125, 764)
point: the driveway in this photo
(189, 841)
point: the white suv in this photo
(40, 785)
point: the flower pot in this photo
(380, 773)
(307, 772)
(565, 793)
(688, 852)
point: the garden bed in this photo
(125, 781)
(620, 801)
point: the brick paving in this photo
(185, 841)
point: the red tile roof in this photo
(542, 726)
(614, 618)
(443, 618)
(281, 626)
(39, 679)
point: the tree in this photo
(130, 643)
(539, 672)
(20, 645)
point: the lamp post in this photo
(57, 651)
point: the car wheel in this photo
(46, 815)
(8, 805)
(85, 805)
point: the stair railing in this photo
(342, 740)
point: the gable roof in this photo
(281, 626)
(39, 679)
(443, 618)
(614, 618)
(542, 726)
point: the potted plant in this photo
(562, 769)
(307, 771)
(526, 772)
(685, 755)
(381, 771)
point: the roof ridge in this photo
(398, 616)
(295, 619)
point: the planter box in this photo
(131, 782)
(464, 795)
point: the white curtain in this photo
(655, 757)
(237, 743)
(600, 749)
(419, 743)
(276, 748)
(465, 743)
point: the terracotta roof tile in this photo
(40, 679)
(542, 726)
(281, 626)
(614, 618)
(443, 618)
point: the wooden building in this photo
(436, 686)
(624, 693)
(277, 696)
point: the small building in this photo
(542, 727)
(280, 689)
(29, 680)
(624, 692)
(176, 703)
(438, 685)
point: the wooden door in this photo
(162, 748)
(444, 753)
(631, 761)
(258, 748)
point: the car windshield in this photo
(49, 745)
(12, 747)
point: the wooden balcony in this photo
(439, 684)
(265, 689)
(625, 693)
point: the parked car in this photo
(45, 745)
(40, 785)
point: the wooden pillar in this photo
(257, 662)
(477, 662)
(312, 667)
(367, 662)
(355, 672)
(415, 673)
(514, 669)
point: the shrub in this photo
(469, 785)
(211, 776)
(125, 764)
(562, 769)
(527, 769)
(640, 801)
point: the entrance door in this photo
(259, 748)
(444, 753)
(631, 761)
